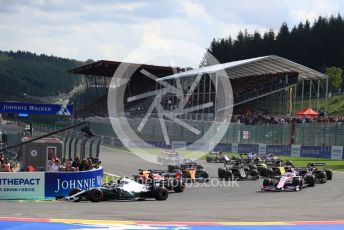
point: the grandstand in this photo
(267, 85)
(98, 77)
(265, 92)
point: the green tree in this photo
(24, 73)
(336, 77)
(318, 44)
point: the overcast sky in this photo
(140, 31)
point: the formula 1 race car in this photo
(290, 181)
(318, 170)
(190, 171)
(236, 169)
(269, 167)
(162, 178)
(171, 157)
(124, 189)
(215, 157)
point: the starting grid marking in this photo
(60, 224)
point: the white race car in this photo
(124, 189)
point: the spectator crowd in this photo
(69, 165)
(5, 164)
(256, 118)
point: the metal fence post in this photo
(335, 134)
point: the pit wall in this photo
(42, 185)
(328, 152)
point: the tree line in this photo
(319, 45)
(24, 75)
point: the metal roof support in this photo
(95, 85)
(198, 93)
(303, 91)
(104, 78)
(216, 94)
(318, 94)
(86, 77)
(310, 94)
(295, 98)
(209, 95)
(326, 97)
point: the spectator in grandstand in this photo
(76, 163)
(31, 168)
(89, 164)
(69, 166)
(249, 118)
(56, 167)
(83, 165)
(96, 164)
(2, 158)
(6, 166)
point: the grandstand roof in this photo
(255, 66)
(107, 68)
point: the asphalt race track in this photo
(243, 203)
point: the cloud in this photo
(107, 29)
(194, 9)
(302, 10)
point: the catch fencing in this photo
(313, 134)
(310, 139)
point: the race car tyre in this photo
(276, 172)
(74, 191)
(203, 175)
(267, 182)
(179, 186)
(297, 182)
(269, 172)
(252, 166)
(301, 184)
(160, 193)
(96, 195)
(323, 177)
(199, 167)
(208, 159)
(329, 174)
(254, 174)
(310, 180)
(262, 171)
(221, 173)
(228, 175)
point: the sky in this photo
(144, 31)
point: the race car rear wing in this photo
(158, 171)
(316, 164)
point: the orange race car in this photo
(190, 170)
(161, 178)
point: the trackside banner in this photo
(337, 152)
(61, 183)
(22, 185)
(28, 108)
